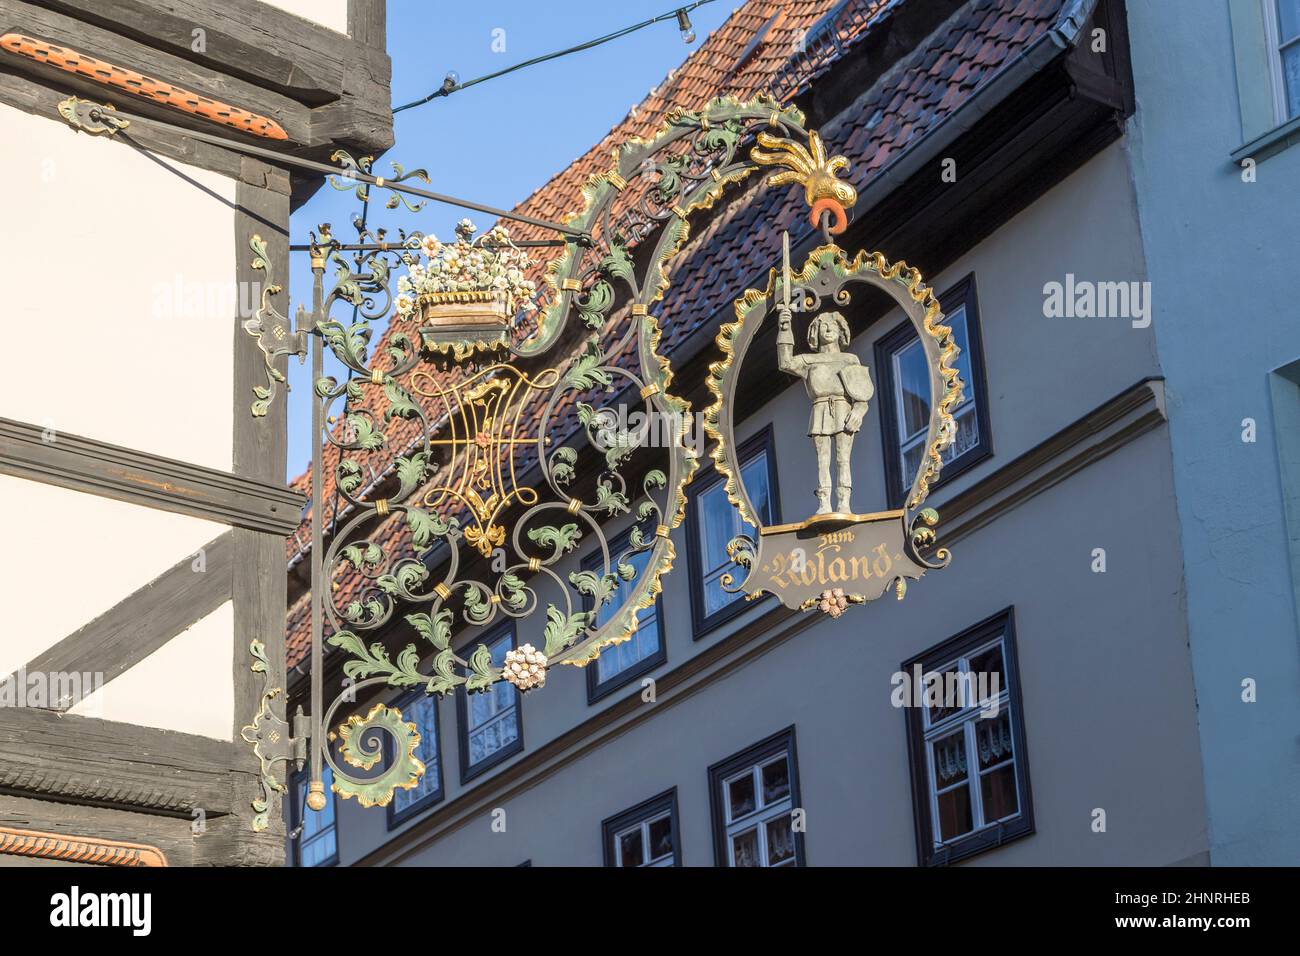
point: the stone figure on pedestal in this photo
(839, 386)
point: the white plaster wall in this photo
(100, 239)
(328, 13)
(67, 557)
(186, 685)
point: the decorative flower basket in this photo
(471, 311)
(466, 293)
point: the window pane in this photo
(912, 394)
(492, 714)
(481, 708)
(938, 703)
(753, 474)
(993, 740)
(715, 597)
(1291, 69)
(423, 713)
(780, 840)
(1288, 19)
(629, 847)
(987, 674)
(661, 838)
(776, 781)
(998, 790)
(509, 728)
(741, 796)
(645, 642)
(621, 588)
(720, 522)
(913, 389)
(950, 759)
(954, 813)
(718, 525)
(744, 848)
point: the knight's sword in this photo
(785, 269)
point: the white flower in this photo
(430, 245)
(405, 304)
(525, 667)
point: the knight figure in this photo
(839, 386)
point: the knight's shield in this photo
(857, 383)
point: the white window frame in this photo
(966, 718)
(763, 812)
(644, 826)
(1273, 39)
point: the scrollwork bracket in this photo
(274, 740)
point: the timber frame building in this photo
(128, 634)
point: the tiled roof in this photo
(754, 52)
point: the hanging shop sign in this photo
(470, 457)
(835, 556)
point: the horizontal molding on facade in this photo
(106, 763)
(1099, 433)
(1109, 426)
(145, 620)
(138, 477)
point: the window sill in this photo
(989, 838)
(1274, 141)
(711, 624)
(599, 691)
(491, 761)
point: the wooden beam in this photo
(172, 837)
(158, 64)
(104, 763)
(144, 621)
(259, 583)
(137, 477)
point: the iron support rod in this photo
(317, 532)
(397, 246)
(108, 116)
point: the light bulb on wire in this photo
(684, 24)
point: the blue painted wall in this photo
(1223, 257)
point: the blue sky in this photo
(497, 142)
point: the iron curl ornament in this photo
(495, 456)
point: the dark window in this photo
(646, 835)
(905, 396)
(713, 521)
(966, 740)
(757, 816)
(420, 709)
(620, 664)
(491, 725)
(316, 842)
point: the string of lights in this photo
(451, 82)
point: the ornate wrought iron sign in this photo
(470, 453)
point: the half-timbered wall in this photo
(142, 504)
